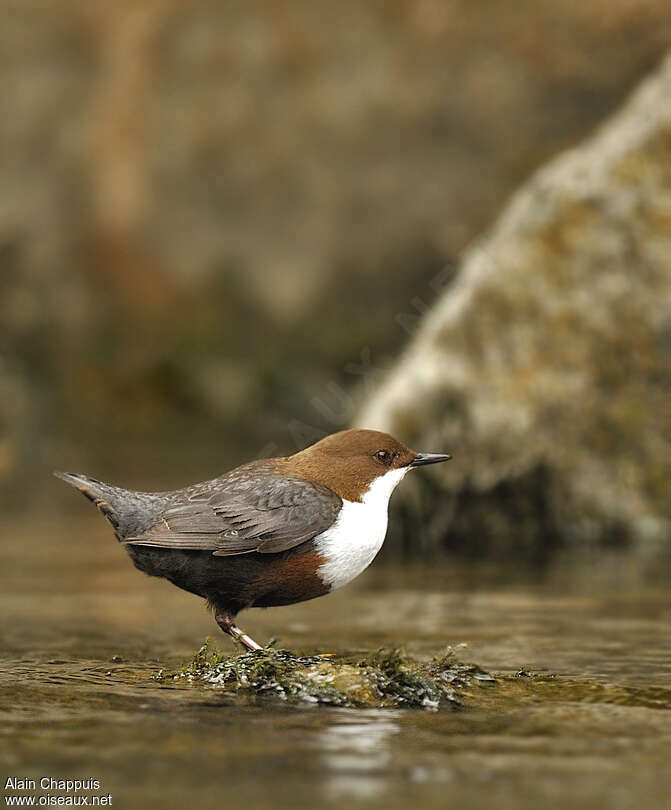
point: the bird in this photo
(270, 532)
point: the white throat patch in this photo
(351, 543)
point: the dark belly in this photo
(240, 581)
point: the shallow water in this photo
(83, 633)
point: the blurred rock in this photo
(546, 367)
(194, 199)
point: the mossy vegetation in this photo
(385, 678)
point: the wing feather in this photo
(247, 510)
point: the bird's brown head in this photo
(350, 461)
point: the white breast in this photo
(351, 543)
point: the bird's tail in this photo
(105, 496)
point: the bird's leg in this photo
(228, 625)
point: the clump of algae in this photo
(386, 678)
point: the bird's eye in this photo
(384, 457)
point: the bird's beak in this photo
(429, 458)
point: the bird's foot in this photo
(228, 625)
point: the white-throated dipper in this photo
(271, 532)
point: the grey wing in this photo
(247, 513)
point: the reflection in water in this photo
(357, 754)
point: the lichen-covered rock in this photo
(546, 367)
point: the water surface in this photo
(83, 633)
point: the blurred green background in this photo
(215, 216)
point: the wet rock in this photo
(546, 367)
(386, 678)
